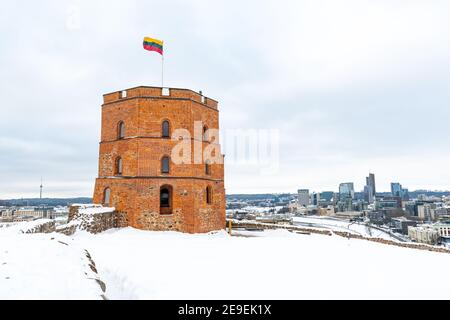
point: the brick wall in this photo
(136, 193)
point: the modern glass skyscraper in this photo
(396, 189)
(346, 191)
(369, 188)
(368, 194)
(370, 181)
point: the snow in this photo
(275, 264)
(35, 266)
(260, 265)
(90, 209)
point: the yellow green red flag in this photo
(152, 44)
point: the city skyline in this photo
(346, 94)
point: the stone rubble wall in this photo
(47, 227)
(93, 222)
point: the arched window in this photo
(165, 199)
(119, 166)
(107, 197)
(207, 167)
(165, 164)
(165, 129)
(121, 130)
(205, 133)
(208, 195)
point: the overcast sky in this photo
(352, 86)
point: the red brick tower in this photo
(140, 174)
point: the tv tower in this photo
(40, 193)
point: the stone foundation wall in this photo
(157, 222)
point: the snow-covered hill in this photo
(138, 264)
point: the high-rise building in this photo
(303, 197)
(346, 191)
(139, 174)
(398, 191)
(368, 194)
(405, 194)
(370, 181)
(370, 189)
(315, 198)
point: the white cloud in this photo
(352, 85)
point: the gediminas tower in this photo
(137, 173)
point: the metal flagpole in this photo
(162, 71)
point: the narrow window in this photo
(106, 196)
(207, 168)
(119, 166)
(165, 200)
(208, 195)
(120, 130)
(205, 133)
(165, 129)
(165, 165)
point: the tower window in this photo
(166, 129)
(119, 166)
(205, 133)
(165, 199)
(165, 165)
(120, 130)
(207, 168)
(208, 195)
(106, 197)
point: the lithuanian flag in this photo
(151, 44)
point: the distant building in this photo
(368, 194)
(398, 191)
(370, 182)
(401, 224)
(31, 213)
(303, 197)
(344, 205)
(426, 211)
(443, 228)
(359, 205)
(315, 198)
(411, 208)
(6, 214)
(423, 234)
(441, 211)
(346, 191)
(388, 203)
(376, 217)
(405, 195)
